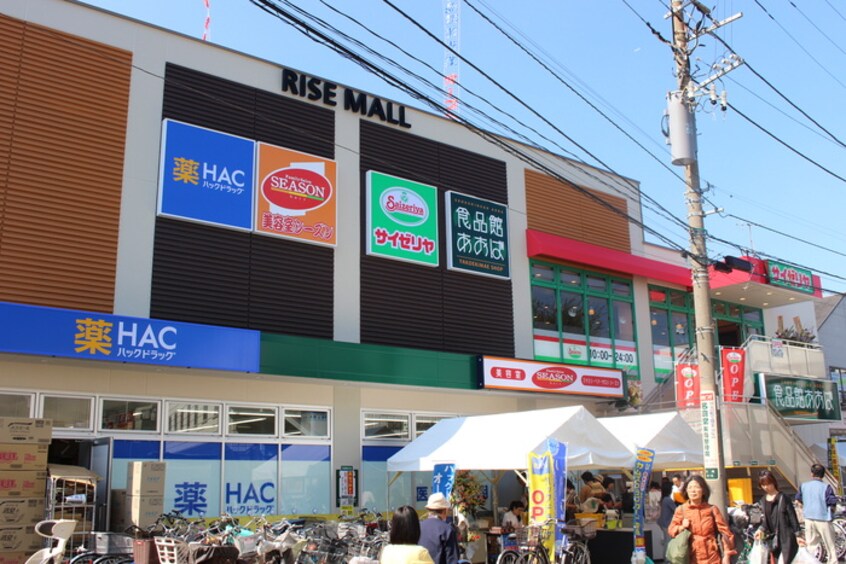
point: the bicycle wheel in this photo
(85, 558)
(535, 556)
(508, 556)
(839, 538)
(578, 553)
(114, 559)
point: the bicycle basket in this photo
(585, 528)
(532, 535)
(111, 543)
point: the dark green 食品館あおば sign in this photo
(802, 398)
(477, 235)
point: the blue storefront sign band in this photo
(98, 336)
(206, 176)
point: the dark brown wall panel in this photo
(291, 287)
(208, 101)
(558, 208)
(63, 104)
(200, 274)
(403, 304)
(226, 277)
(294, 124)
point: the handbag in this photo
(678, 549)
(760, 553)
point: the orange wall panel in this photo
(558, 208)
(63, 105)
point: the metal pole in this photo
(712, 432)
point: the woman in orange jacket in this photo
(704, 521)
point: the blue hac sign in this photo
(98, 336)
(206, 176)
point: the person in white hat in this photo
(438, 535)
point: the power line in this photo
(785, 144)
(799, 44)
(314, 34)
(783, 234)
(830, 5)
(810, 21)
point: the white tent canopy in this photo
(503, 442)
(675, 443)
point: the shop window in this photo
(68, 412)
(15, 405)
(543, 273)
(423, 423)
(193, 478)
(386, 426)
(250, 478)
(250, 420)
(129, 415)
(307, 480)
(753, 316)
(306, 423)
(593, 323)
(678, 299)
(193, 418)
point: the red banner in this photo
(687, 385)
(733, 362)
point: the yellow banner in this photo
(542, 493)
(834, 463)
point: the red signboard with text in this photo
(687, 385)
(733, 362)
(533, 376)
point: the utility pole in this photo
(683, 132)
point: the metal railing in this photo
(781, 356)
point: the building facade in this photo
(267, 279)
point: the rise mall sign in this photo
(319, 90)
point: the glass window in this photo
(15, 405)
(572, 313)
(597, 284)
(569, 278)
(545, 312)
(313, 423)
(307, 480)
(657, 295)
(719, 308)
(681, 332)
(251, 420)
(752, 315)
(734, 311)
(68, 412)
(129, 415)
(386, 426)
(193, 418)
(598, 317)
(423, 423)
(623, 321)
(543, 272)
(619, 288)
(250, 472)
(678, 299)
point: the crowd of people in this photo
(677, 504)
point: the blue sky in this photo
(602, 49)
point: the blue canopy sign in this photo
(98, 336)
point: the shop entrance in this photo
(729, 333)
(94, 454)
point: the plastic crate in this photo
(144, 551)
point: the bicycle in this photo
(576, 551)
(530, 548)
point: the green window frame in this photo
(583, 317)
(673, 323)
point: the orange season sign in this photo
(296, 195)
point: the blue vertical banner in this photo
(443, 478)
(640, 483)
(558, 451)
(206, 176)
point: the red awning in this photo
(539, 244)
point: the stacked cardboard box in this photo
(142, 502)
(23, 482)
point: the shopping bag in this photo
(760, 553)
(678, 549)
(805, 557)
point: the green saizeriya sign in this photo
(802, 398)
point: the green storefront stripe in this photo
(287, 355)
